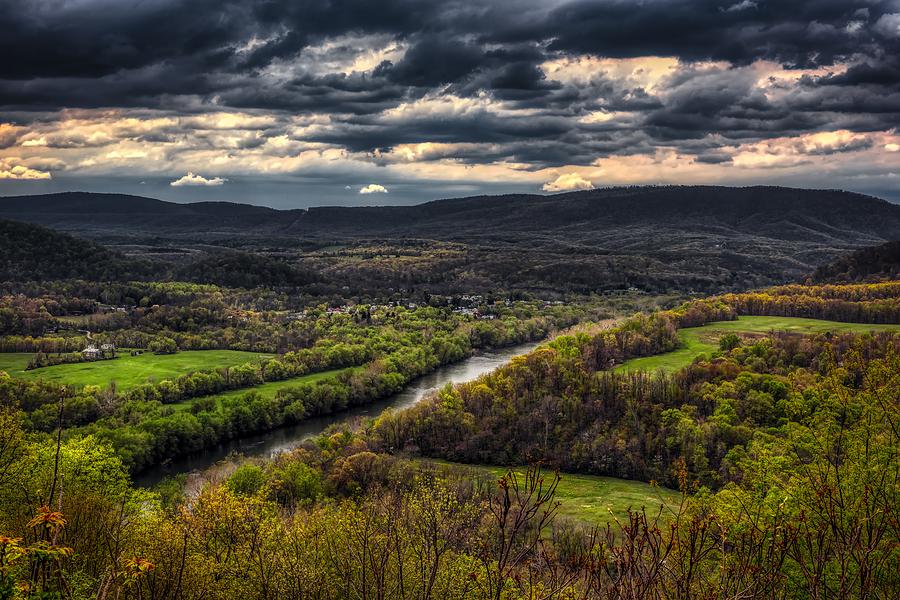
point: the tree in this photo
(163, 345)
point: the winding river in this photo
(286, 438)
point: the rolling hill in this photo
(654, 238)
(32, 252)
(92, 213)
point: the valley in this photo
(249, 391)
(428, 300)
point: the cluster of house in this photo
(92, 352)
(473, 312)
(108, 308)
(471, 305)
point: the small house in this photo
(91, 353)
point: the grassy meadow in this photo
(127, 371)
(701, 340)
(591, 499)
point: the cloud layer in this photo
(446, 98)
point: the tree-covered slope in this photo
(869, 264)
(31, 252)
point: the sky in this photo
(295, 103)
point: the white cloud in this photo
(11, 168)
(745, 5)
(191, 179)
(568, 182)
(373, 188)
(854, 27)
(892, 147)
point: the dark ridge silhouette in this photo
(32, 252)
(651, 237)
(876, 263)
(781, 213)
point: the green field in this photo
(596, 500)
(128, 371)
(14, 363)
(267, 390)
(699, 340)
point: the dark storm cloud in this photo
(713, 158)
(355, 93)
(190, 56)
(451, 42)
(433, 61)
(797, 33)
(365, 134)
(720, 100)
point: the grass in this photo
(14, 363)
(703, 340)
(266, 390)
(596, 500)
(128, 371)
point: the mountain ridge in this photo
(658, 237)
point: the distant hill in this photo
(654, 238)
(876, 263)
(784, 213)
(780, 213)
(33, 252)
(29, 252)
(110, 213)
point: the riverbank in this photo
(285, 438)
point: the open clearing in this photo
(595, 500)
(702, 340)
(128, 371)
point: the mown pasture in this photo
(704, 340)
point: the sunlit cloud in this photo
(192, 179)
(793, 151)
(373, 188)
(568, 182)
(10, 168)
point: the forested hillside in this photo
(868, 264)
(242, 269)
(783, 446)
(656, 239)
(29, 252)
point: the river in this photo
(286, 438)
